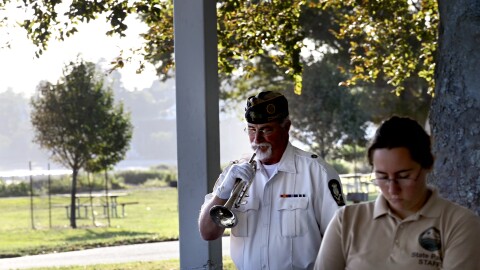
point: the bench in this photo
(85, 207)
(357, 197)
(67, 209)
(123, 206)
(114, 208)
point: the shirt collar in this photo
(431, 209)
(428, 210)
(287, 162)
(381, 207)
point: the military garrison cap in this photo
(266, 107)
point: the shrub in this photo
(339, 166)
(14, 189)
(140, 177)
(61, 184)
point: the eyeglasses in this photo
(401, 180)
(267, 131)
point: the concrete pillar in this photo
(198, 146)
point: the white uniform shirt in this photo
(281, 224)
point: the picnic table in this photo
(357, 186)
(102, 199)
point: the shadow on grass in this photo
(92, 238)
(95, 234)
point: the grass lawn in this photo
(154, 218)
(160, 265)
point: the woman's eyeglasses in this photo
(400, 180)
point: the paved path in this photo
(107, 255)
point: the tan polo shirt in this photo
(367, 236)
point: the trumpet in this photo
(222, 215)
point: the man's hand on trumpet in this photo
(243, 171)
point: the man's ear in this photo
(288, 125)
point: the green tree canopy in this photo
(326, 114)
(77, 122)
(388, 40)
(243, 33)
(395, 40)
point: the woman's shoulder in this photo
(358, 215)
(358, 209)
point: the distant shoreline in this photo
(124, 165)
(25, 173)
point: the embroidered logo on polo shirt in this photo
(430, 239)
(336, 190)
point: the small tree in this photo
(326, 115)
(113, 146)
(75, 118)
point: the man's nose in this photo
(258, 137)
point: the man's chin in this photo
(263, 155)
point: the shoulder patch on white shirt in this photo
(336, 191)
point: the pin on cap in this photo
(266, 107)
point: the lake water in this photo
(25, 173)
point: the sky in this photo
(21, 71)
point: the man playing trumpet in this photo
(291, 197)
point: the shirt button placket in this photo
(265, 219)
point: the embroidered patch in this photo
(270, 108)
(430, 239)
(336, 190)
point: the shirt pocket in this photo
(246, 214)
(293, 216)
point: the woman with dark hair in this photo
(408, 226)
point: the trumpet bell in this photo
(223, 217)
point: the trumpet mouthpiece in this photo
(253, 157)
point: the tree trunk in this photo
(92, 211)
(73, 201)
(455, 111)
(107, 198)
